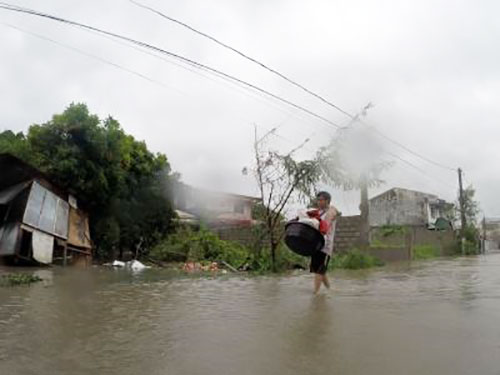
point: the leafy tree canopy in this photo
(122, 184)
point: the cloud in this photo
(430, 67)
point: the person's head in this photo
(323, 199)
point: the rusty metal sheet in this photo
(79, 233)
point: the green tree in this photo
(16, 145)
(471, 206)
(281, 180)
(471, 210)
(120, 182)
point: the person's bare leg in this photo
(326, 281)
(317, 282)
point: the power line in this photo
(218, 73)
(406, 148)
(244, 55)
(140, 75)
(186, 60)
(419, 170)
(89, 55)
(289, 80)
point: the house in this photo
(491, 233)
(213, 208)
(399, 206)
(39, 221)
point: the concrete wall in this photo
(400, 245)
(212, 206)
(492, 233)
(399, 207)
(490, 245)
(347, 233)
(243, 235)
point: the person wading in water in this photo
(320, 259)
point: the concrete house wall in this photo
(401, 207)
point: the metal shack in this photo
(39, 222)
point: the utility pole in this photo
(462, 210)
(364, 208)
(483, 237)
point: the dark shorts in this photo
(319, 263)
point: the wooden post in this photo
(65, 255)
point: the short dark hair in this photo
(325, 195)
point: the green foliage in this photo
(471, 206)
(471, 248)
(471, 234)
(203, 245)
(189, 245)
(425, 252)
(472, 243)
(12, 279)
(259, 212)
(120, 182)
(285, 260)
(389, 230)
(354, 260)
(281, 180)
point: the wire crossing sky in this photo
(435, 88)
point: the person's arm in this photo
(331, 215)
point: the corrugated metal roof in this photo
(10, 193)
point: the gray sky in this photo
(430, 67)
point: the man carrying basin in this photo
(320, 259)
(312, 235)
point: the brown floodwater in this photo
(432, 317)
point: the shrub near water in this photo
(425, 252)
(355, 260)
(203, 245)
(196, 246)
(12, 279)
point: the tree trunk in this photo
(274, 246)
(364, 208)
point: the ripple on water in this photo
(125, 324)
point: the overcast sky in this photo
(431, 68)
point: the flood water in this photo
(432, 317)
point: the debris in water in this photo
(118, 263)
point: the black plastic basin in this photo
(303, 239)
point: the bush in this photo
(197, 246)
(471, 248)
(472, 244)
(285, 260)
(355, 260)
(388, 230)
(12, 279)
(203, 245)
(425, 252)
